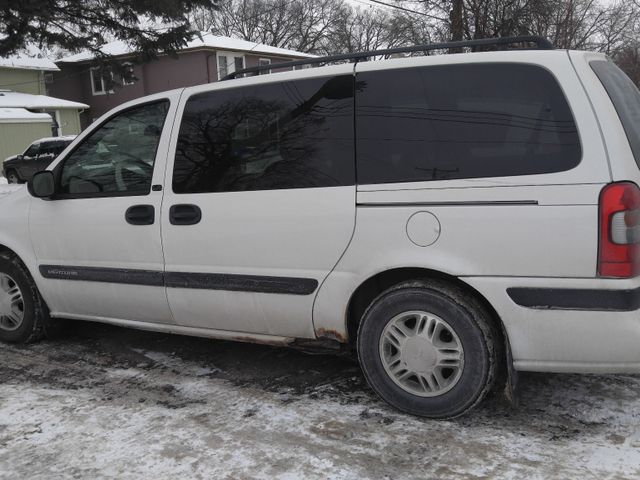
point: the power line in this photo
(398, 7)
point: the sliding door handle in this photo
(185, 214)
(140, 215)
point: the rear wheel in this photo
(24, 317)
(428, 349)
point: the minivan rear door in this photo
(259, 202)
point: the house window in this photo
(262, 62)
(229, 63)
(128, 77)
(98, 86)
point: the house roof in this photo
(10, 99)
(208, 40)
(21, 115)
(31, 59)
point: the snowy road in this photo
(106, 402)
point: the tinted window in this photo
(118, 157)
(284, 135)
(626, 99)
(462, 121)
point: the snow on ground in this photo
(105, 402)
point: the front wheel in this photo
(12, 177)
(427, 349)
(24, 317)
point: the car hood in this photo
(12, 158)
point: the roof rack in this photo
(539, 43)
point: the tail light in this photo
(619, 249)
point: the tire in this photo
(12, 177)
(35, 322)
(445, 363)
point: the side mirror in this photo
(42, 185)
(19, 157)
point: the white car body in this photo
(490, 234)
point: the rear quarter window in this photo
(625, 98)
(462, 121)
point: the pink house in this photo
(202, 61)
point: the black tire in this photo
(36, 322)
(470, 322)
(12, 177)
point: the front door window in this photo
(117, 159)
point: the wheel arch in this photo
(7, 250)
(4, 250)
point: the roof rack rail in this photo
(540, 43)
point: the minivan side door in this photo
(259, 202)
(97, 241)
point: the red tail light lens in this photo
(619, 249)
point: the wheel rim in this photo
(421, 353)
(11, 304)
(13, 178)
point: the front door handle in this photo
(185, 214)
(140, 215)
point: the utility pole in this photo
(456, 20)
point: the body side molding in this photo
(206, 281)
(576, 299)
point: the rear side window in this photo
(52, 148)
(462, 121)
(626, 100)
(285, 135)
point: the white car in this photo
(455, 218)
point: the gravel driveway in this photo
(106, 402)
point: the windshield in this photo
(626, 99)
(32, 151)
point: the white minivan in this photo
(455, 218)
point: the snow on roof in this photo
(26, 100)
(209, 40)
(54, 139)
(21, 115)
(31, 58)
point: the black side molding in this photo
(204, 281)
(576, 299)
(241, 283)
(108, 275)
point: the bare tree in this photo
(333, 26)
(302, 25)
